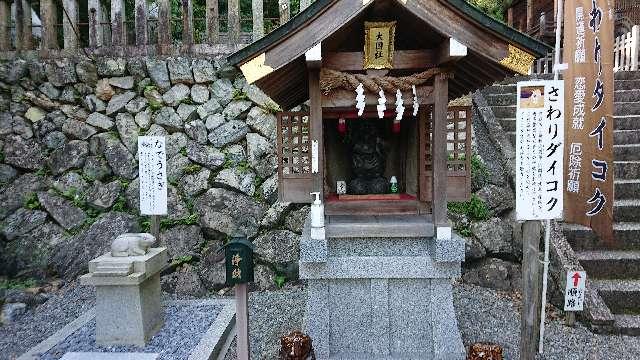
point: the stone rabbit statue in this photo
(131, 244)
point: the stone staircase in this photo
(613, 272)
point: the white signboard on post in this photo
(539, 150)
(574, 293)
(152, 167)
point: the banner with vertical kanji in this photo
(589, 168)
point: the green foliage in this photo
(43, 171)
(494, 8)
(192, 219)
(243, 167)
(271, 107)
(1, 156)
(31, 202)
(183, 151)
(9, 284)
(239, 95)
(144, 223)
(185, 259)
(192, 169)
(475, 209)
(479, 172)
(279, 280)
(120, 204)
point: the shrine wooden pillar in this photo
(529, 14)
(314, 63)
(439, 156)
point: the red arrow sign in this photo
(576, 279)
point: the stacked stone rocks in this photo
(68, 169)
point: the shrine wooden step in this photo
(622, 296)
(383, 226)
(374, 207)
(627, 237)
(626, 189)
(610, 264)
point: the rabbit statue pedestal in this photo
(128, 304)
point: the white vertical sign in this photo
(574, 292)
(539, 150)
(152, 168)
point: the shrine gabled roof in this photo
(495, 49)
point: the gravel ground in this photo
(483, 315)
(184, 327)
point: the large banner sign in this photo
(588, 50)
(539, 150)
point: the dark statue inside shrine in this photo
(368, 159)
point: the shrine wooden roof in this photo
(276, 63)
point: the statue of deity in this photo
(367, 159)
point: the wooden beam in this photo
(233, 8)
(187, 23)
(451, 50)
(5, 20)
(70, 23)
(118, 30)
(402, 59)
(142, 36)
(95, 26)
(313, 57)
(48, 16)
(529, 14)
(19, 24)
(258, 19)
(213, 32)
(439, 150)
(531, 270)
(340, 98)
(315, 118)
(27, 30)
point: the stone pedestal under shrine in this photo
(385, 296)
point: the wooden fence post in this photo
(5, 20)
(19, 24)
(48, 17)
(70, 23)
(258, 20)
(233, 11)
(95, 24)
(27, 29)
(187, 22)
(213, 25)
(164, 24)
(635, 47)
(118, 30)
(285, 11)
(142, 37)
(531, 299)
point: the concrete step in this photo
(622, 137)
(626, 152)
(627, 95)
(508, 124)
(610, 264)
(627, 210)
(501, 99)
(627, 237)
(627, 324)
(627, 169)
(627, 75)
(626, 84)
(621, 296)
(631, 122)
(626, 189)
(504, 112)
(626, 108)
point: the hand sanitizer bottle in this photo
(317, 218)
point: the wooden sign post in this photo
(152, 168)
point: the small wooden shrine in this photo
(385, 152)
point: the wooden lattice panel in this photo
(458, 151)
(294, 156)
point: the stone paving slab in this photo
(107, 356)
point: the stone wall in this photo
(68, 170)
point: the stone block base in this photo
(128, 314)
